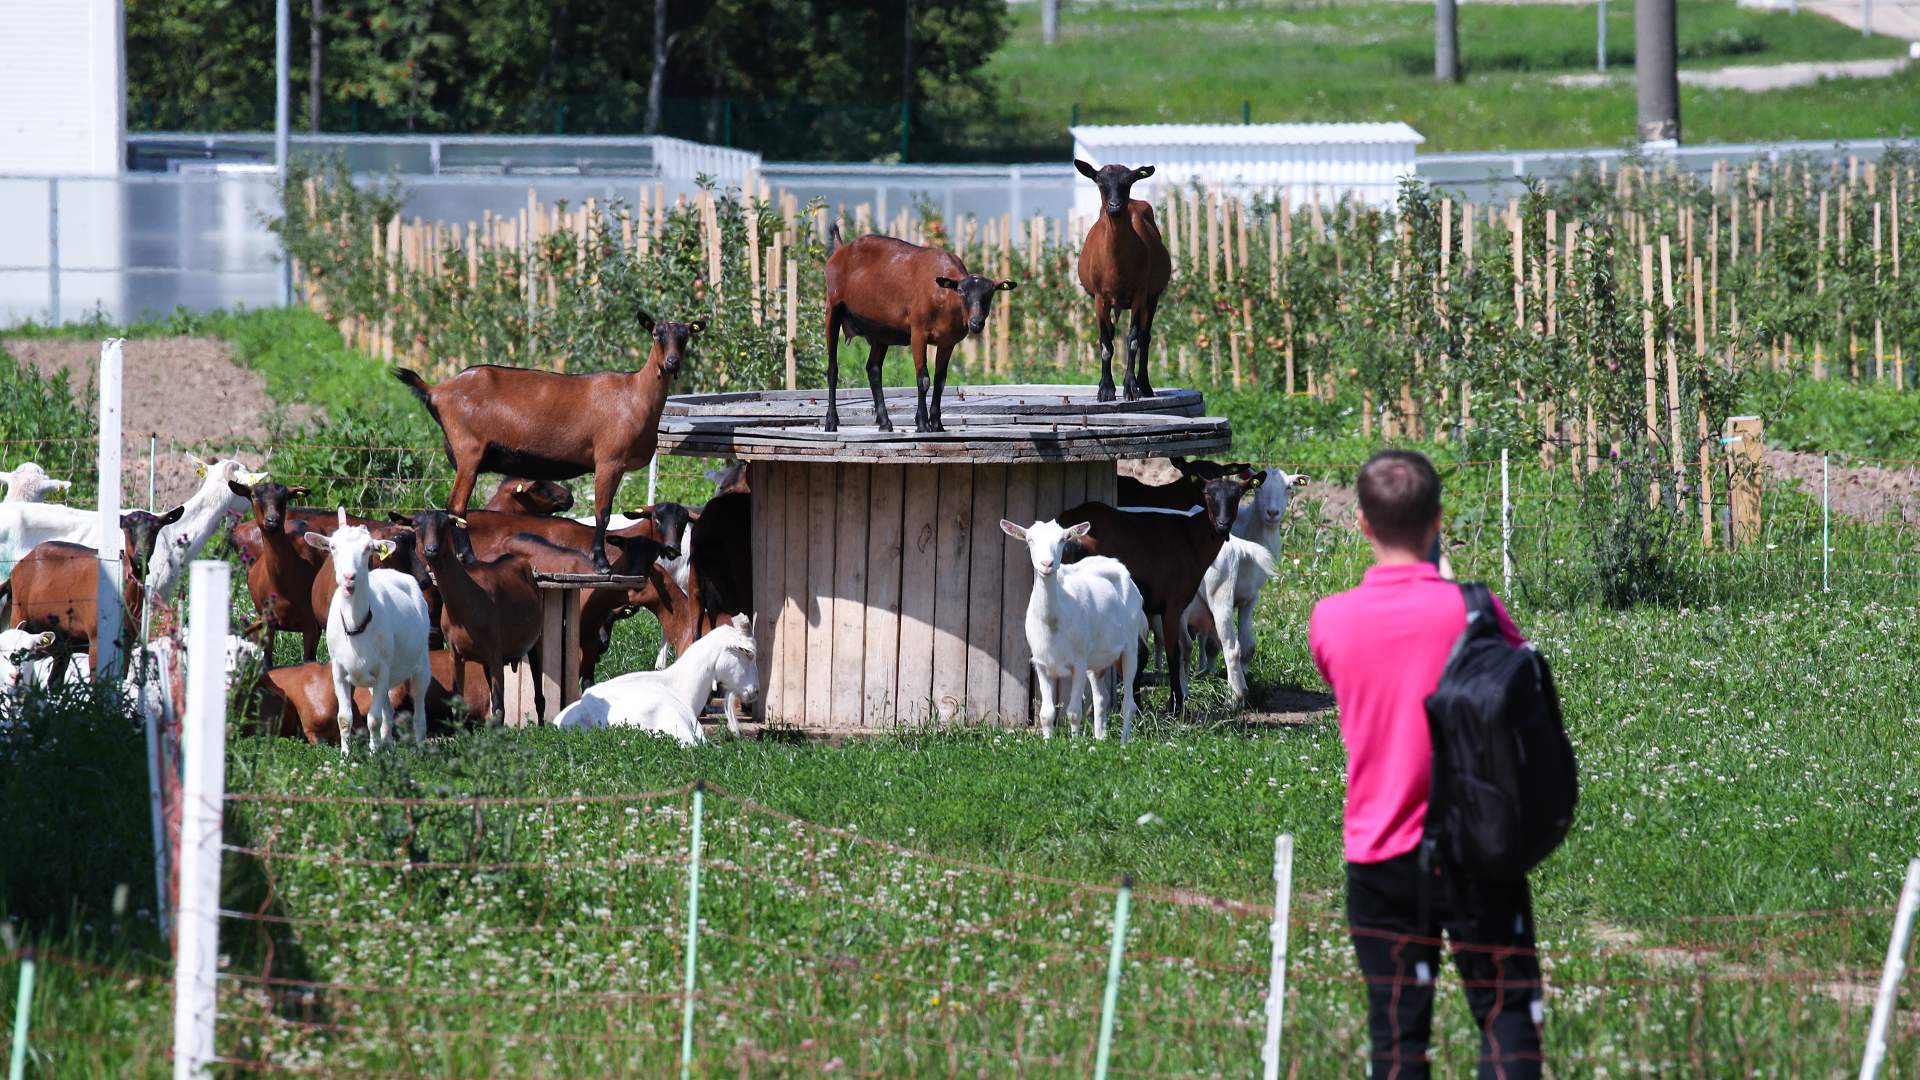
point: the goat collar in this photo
(364, 623)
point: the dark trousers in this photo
(1489, 928)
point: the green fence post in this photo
(22, 1011)
(693, 930)
(1122, 901)
(1246, 111)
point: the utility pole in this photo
(313, 66)
(1049, 21)
(1446, 41)
(1656, 72)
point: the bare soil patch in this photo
(186, 390)
(1287, 706)
(1868, 493)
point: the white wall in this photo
(62, 87)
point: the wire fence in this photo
(550, 936)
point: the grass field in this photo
(1171, 63)
(1751, 753)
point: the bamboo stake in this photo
(1879, 355)
(1213, 238)
(793, 323)
(1646, 353)
(1673, 367)
(753, 264)
(1700, 413)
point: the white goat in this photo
(669, 702)
(25, 525)
(1220, 617)
(20, 654)
(1083, 620)
(376, 634)
(181, 542)
(150, 668)
(1232, 585)
(30, 483)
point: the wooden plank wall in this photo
(895, 598)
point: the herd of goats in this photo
(427, 610)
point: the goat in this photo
(28, 482)
(1183, 492)
(558, 546)
(291, 583)
(181, 542)
(537, 497)
(732, 478)
(669, 702)
(1168, 553)
(1233, 582)
(1221, 614)
(549, 426)
(56, 586)
(26, 525)
(376, 633)
(891, 292)
(299, 701)
(712, 581)
(1083, 620)
(1124, 264)
(21, 652)
(490, 610)
(150, 667)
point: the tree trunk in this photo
(1049, 21)
(1446, 41)
(313, 66)
(1656, 71)
(657, 81)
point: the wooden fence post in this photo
(1746, 443)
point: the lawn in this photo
(1175, 63)
(1747, 755)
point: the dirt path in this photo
(187, 390)
(1760, 77)
(1869, 493)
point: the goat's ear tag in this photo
(383, 548)
(44, 640)
(1007, 286)
(945, 283)
(1143, 172)
(457, 520)
(697, 326)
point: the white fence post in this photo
(107, 627)
(1891, 974)
(1826, 522)
(1277, 976)
(1506, 528)
(53, 251)
(203, 795)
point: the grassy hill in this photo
(1167, 62)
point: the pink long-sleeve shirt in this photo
(1382, 647)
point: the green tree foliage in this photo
(791, 78)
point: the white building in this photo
(1367, 161)
(63, 78)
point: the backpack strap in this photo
(1479, 601)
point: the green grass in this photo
(1153, 63)
(1749, 754)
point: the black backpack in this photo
(1504, 778)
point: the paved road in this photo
(1759, 76)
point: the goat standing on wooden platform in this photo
(548, 426)
(1124, 264)
(891, 292)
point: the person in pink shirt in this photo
(1382, 647)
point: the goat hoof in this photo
(1106, 392)
(832, 424)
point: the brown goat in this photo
(298, 700)
(1167, 553)
(1124, 264)
(56, 587)
(550, 426)
(1182, 493)
(517, 495)
(597, 609)
(490, 610)
(891, 292)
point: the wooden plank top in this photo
(589, 581)
(1009, 424)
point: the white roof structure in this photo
(62, 87)
(1366, 161)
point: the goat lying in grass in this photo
(1083, 620)
(669, 702)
